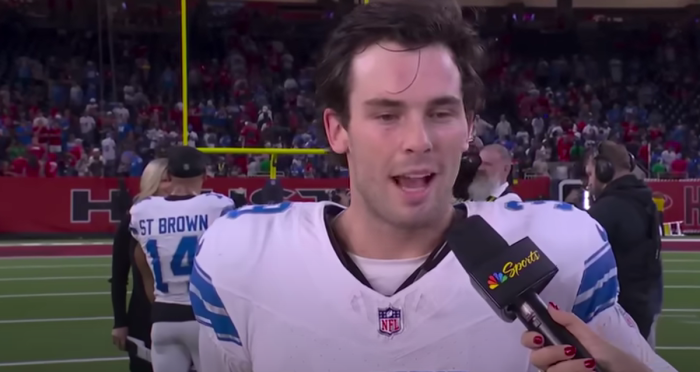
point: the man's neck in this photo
(367, 237)
(183, 191)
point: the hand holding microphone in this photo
(555, 358)
(510, 278)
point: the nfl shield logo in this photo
(390, 321)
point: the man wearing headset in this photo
(623, 205)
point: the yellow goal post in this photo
(273, 152)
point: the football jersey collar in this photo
(330, 212)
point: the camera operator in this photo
(471, 161)
(623, 206)
(483, 174)
(491, 180)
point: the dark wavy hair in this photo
(410, 23)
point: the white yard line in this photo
(61, 361)
(678, 348)
(678, 260)
(71, 294)
(52, 257)
(54, 320)
(23, 267)
(682, 286)
(681, 271)
(678, 316)
(681, 310)
(52, 244)
(52, 278)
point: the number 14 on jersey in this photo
(180, 264)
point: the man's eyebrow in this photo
(439, 101)
(445, 101)
(384, 103)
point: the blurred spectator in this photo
(96, 163)
(252, 86)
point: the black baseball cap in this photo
(186, 162)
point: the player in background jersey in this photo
(313, 287)
(168, 230)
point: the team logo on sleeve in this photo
(390, 321)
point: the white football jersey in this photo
(282, 300)
(169, 232)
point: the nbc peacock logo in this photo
(496, 279)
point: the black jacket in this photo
(628, 214)
(138, 316)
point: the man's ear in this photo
(336, 133)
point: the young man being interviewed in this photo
(315, 287)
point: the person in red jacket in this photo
(679, 167)
(50, 169)
(33, 166)
(18, 167)
(564, 144)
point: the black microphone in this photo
(509, 278)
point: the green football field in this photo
(55, 315)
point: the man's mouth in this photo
(413, 182)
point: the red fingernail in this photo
(589, 363)
(538, 340)
(552, 304)
(570, 351)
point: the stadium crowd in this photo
(250, 89)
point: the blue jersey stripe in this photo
(603, 298)
(599, 285)
(202, 283)
(209, 308)
(597, 253)
(199, 268)
(596, 268)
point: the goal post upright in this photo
(183, 64)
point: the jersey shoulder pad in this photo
(241, 237)
(563, 227)
(245, 243)
(586, 282)
(215, 195)
(563, 232)
(144, 205)
(217, 201)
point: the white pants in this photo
(175, 346)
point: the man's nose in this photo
(417, 137)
